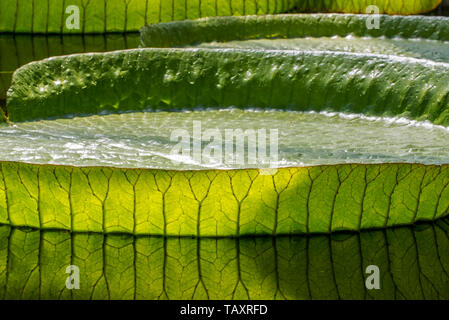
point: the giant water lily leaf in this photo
(99, 16)
(186, 78)
(418, 37)
(226, 202)
(413, 264)
(222, 29)
(152, 194)
(320, 199)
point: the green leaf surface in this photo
(413, 264)
(100, 16)
(186, 78)
(220, 203)
(146, 140)
(222, 29)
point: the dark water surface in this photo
(17, 50)
(412, 263)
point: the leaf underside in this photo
(101, 16)
(400, 7)
(222, 203)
